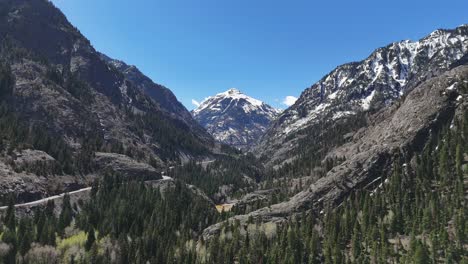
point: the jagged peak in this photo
(235, 118)
(232, 94)
(233, 91)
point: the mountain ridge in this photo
(363, 86)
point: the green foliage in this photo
(141, 222)
(314, 143)
(54, 75)
(75, 86)
(66, 215)
(25, 230)
(225, 171)
(7, 81)
(421, 254)
(17, 136)
(146, 223)
(90, 239)
(10, 217)
(172, 136)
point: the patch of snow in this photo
(235, 96)
(299, 123)
(365, 103)
(342, 81)
(224, 135)
(333, 95)
(341, 114)
(451, 87)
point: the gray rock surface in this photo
(125, 166)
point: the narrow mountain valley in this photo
(101, 164)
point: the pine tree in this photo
(66, 215)
(421, 256)
(10, 217)
(90, 239)
(25, 233)
(6, 81)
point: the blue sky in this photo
(267, 49)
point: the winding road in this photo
(45, 200)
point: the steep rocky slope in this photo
(235, 118)
(160, 94)
(396, 133)
(359, 87)
(59, 96)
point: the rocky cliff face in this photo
(365, 86)
(69, 102)
(235, 118)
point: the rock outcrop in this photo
(125, 166)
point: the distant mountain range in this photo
(234, 118)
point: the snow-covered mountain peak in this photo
(235, 94)
(235, 118)
(235, 97)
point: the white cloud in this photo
(195, 103)
(289, 100)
